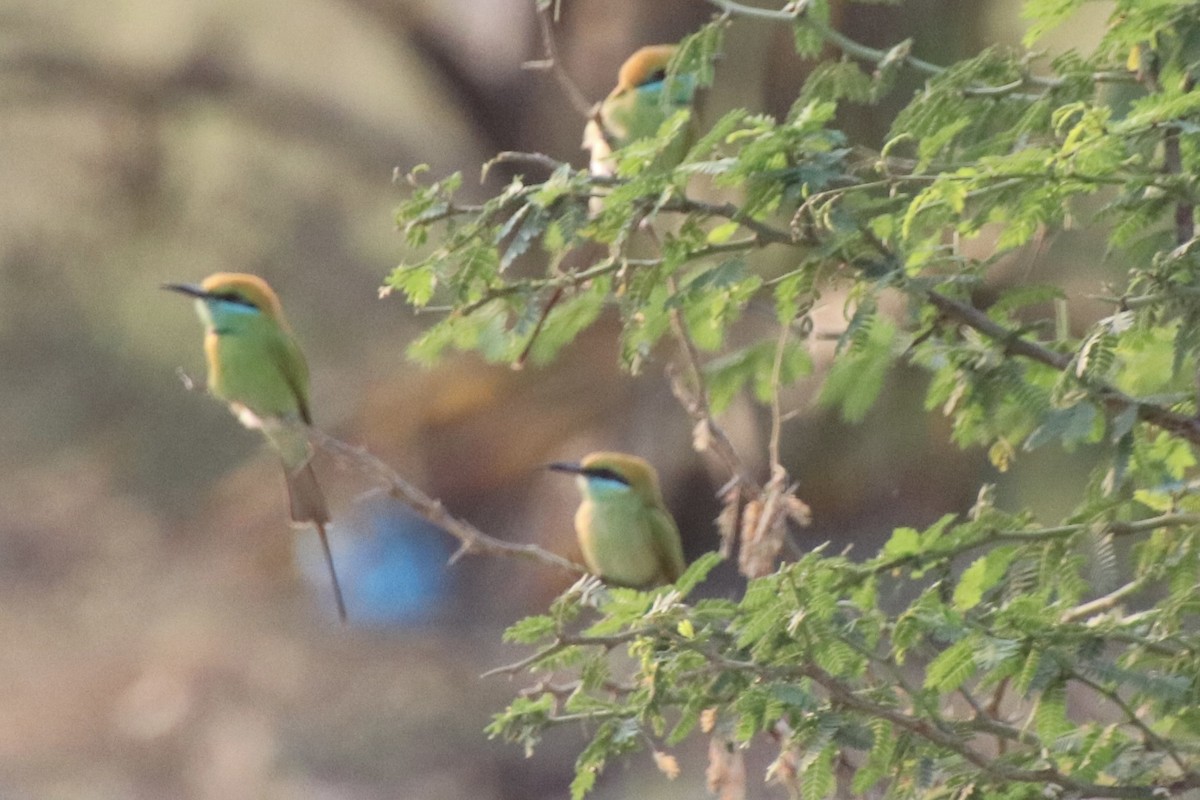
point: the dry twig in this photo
(472, 540)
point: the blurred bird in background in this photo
(642, 100)
(625, 531)
(256, 366)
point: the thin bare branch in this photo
(518, 157)
(1103, 603)
(472, 541)
(562, 642)
(552, 63)
(776, 412)
(694, 399)
(794, 13)
(528, 661)
(1152, 739)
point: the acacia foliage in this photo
(942, 665)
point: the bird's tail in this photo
(337, 586)
(305, 497)
(307, 503)
(290, 440)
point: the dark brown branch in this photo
(333, 576)
(764, 234)
(950, 739)
(1013, 343)
(955, 743)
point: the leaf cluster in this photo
(961, 687)
(990, 654)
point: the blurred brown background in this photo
(161, 636)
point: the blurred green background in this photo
(164, 632)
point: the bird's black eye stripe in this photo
(605, 473)
(658, 76)
(233, 297)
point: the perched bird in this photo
(625, 531)
(635, 109)
(256, 366)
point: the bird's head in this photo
(224, 295)
(646, 66)
(606, 473)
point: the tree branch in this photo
(1032, 536)
(1103, 603)
(764, 233)
(552, 63)
(950, 739)
(1152, 739)
(1187, 427)
(694, 399)
(562, 642)
(795, 13)
(472, 540)
(955, 743)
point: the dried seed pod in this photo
(797, 510)
(701, 436)
(667, 764)
(763, 531)
(725, 776)
(727, 522)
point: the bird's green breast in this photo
(617, 540)
(255, 364)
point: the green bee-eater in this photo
(256, 366)
(637, 106)
(625, 531)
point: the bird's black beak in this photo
(190, 289)
(567, 466)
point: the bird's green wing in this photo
(638, 114)
(667, 546)
(294, 371)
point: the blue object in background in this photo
(391, 563)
